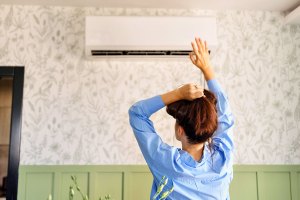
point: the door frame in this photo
(17, 73)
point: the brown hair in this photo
(198, 118)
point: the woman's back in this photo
(207, 179)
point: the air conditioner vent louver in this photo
(138, 53)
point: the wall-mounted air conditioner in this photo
(132, 36)
(293, 17)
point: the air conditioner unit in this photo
(152, 36)
(293, 17)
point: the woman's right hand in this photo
(190, 91)
(200, 57)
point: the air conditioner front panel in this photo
(147, 33)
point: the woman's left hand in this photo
(190, 91)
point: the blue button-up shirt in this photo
(206, 179)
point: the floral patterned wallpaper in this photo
(75, 110)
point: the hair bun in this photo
(198, 118)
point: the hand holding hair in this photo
(188, 91)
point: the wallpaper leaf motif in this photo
(8, 19)
(75, 110)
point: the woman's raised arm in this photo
(223, 136)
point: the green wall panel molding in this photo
(140, 185)
(35, 188)
(244, 186)
(276, 185)
(82, 179)
(109, 183)
(133, 182)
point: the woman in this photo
(202, 169)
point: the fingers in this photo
(198, 49)
(198, 91)
(191, 91)
(196, 95)
(206, 49)
(199, 94)
(200, 44)
(193, 59)
(195, 50)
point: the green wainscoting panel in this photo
(39, 185)
(244, 186)
(133, 182)
(275, 185)
(109, 183)
(66, 182)
(140, 185)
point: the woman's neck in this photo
(195, 150)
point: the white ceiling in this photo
(271, 5)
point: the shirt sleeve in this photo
(223, 137)
(149, 141)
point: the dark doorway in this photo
(11, 98)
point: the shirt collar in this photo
(189, 160)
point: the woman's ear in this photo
(180, 132)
